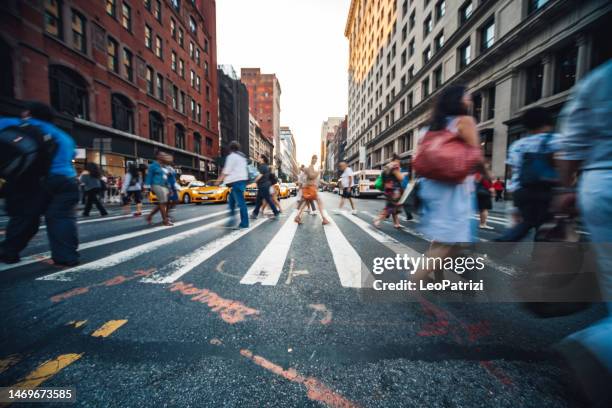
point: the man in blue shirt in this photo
(55, 195)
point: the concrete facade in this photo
(328, 129)
(289, 165)
(511, 54)
(138, 74)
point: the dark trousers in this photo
(263, 193)
(533, 205)
(498, 195)
(56, 198)
(92, 198)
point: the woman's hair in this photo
(93, 169)
(449, 103)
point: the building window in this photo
(411, 48)
(207, 93)
(465, 11)
(122, 113)
(192, 25)
(176, 4)
(426, 55)
(402, 108)
(156, 127)
(491, 103)
(197, 143)
(126, 16)
(173, 61)
(439, 41)
(535, 5)
(209, 143)
(181, 37)
(197, 56)
(68, 91)
(198, 83)
(440, 9)
(534, 80)
(405, 8)
(127, 64)
(412, 20)
(159, 51)
(179, 136)
(148, 37)
(477, 106)
(53, 18)
(149, 79)
(111, 51)
(191, 50)
(181, 102)
(425, 88)
(427, 26)
(487, 35)
(404, 58)
(192, 78)
(206, 45)
(111, 8)
(199, 112)
(193, 109)
(157, 10)
(159, 84)
(410, 72)
(181, 67)
(565, 66)
(79, 39)
(410, 100)
(405, 32)
(437, 77)
(465, 54)
(173, 28)
(208, 120)
(147, 4)
(206, 69)
(174, 97)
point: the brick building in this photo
(264, 104)
(128, 76)
(233, 110)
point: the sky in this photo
(303, 43)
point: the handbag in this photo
(443, 156)
(309, 193)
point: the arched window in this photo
(68, 92)
(6, 71)
(197, 143)
(156, 127)
(122, 111)
(179, 136)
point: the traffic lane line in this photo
(105, 241)
(316, 390)
(108, 328)
(268, 266)
(128, 254)
(178, 268)
(9, 361)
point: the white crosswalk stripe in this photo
(268, 267)
(128, 254)
(93, 244)
(186, 264)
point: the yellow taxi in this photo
(285, 191)
(250, 193)
(199, 192)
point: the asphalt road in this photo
(204, 316)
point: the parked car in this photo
(364, 183)
(293, 188)
(250, 193)
(199, 192)
(284, 191)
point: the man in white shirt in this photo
(235, 175)
(346, 183)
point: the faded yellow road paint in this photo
(76, 323)
(47, 370)
(9, 361)
(108, 328)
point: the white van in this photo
(364, 183)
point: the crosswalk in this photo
(165, 249)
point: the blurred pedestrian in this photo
(264, 187)
(498, 186)
(484, 190)
(301, 184)
(347, 181)
(530, 186)
(236, 175)
(93, 187)
(586, 155)
(309, 192)
(173, 186)
(131, 188)
(447, 207)
(51, 191)
(157, 181)
(392, 189)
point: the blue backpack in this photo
(537, 169)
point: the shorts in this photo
(129, 194)
(346, 192)
(161, 193)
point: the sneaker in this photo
(354, 212)
(486, 227)
(313, 213)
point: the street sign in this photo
(362, 154)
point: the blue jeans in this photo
(236, 197)
(595, 200)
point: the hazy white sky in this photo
(303, 42)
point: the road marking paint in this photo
(9, 361)
(47, 370)
(492, 221)
(316, 390)
(348, 262)
(115, 217)
(108, 328)
(230, 311)
(185, 264)
(76, 323)
(268, 266)
(128, 254)
(321, 308)
(117, 280)
(93, 244)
